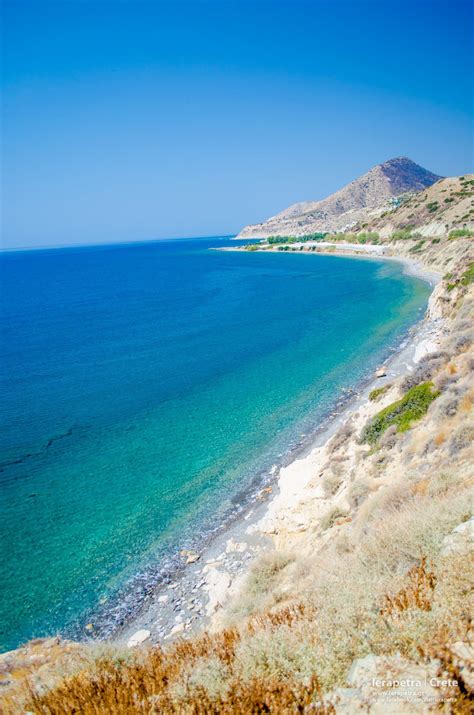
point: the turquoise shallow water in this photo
(144, 387)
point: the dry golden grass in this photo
(280, 661)
(417, 593)
(440, 438)
(420, 488)
(162, 681)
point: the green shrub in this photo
(402, 234)
(412, 406)
(468, 277)
(460, 232)
(368, 237)
(435, 240)
(347, 237)
(375, 394)
(433, 206)
(465, 280)
(318, 236)
(272, 240)
(417, 247)
(252, 247)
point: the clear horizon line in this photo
(62, 246)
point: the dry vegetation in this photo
(448, 203)
(378, 571)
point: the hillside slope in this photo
(446, 205)
(362, 199)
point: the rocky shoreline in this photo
(196, 599)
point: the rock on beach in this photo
(139, 637)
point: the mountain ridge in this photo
(363, 198)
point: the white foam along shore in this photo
(199, 594)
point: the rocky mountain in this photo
(363, 199)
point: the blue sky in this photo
(137, 120)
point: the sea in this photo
(147, 391)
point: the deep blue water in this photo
(143, 388)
